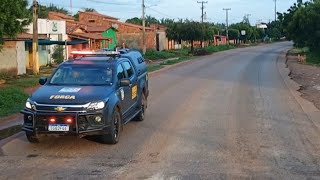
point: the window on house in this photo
(92, 20)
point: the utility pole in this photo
(144, 28)
(202, 14)
(247, 16)
(202, 8)
(35, 48)
(227, 21)
(71, 10)
(275, 10)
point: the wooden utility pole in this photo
(202, 14)
(202, 8)
(35, 47)
(227, 21)
(144, 49)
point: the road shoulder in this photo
(308, 107)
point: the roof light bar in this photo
(95, 53)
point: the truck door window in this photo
(120, 72)
(127, 66)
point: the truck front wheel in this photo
(32, 138)
(114, 132)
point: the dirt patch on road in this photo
(308, 77)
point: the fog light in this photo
(98, 119)
(52, 120)
(30, 118)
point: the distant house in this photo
(126, 33)
(15, 56)
(112, 31)
(60, 16)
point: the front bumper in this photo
(82, 124)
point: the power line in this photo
(163, 13)
(202, 8)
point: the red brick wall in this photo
(134, 40)
(102, 21)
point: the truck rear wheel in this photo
(114, 132)
(143, 104)
(32, 138)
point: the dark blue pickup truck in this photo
(93, 94)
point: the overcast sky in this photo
(260, 10)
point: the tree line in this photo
(301, 24)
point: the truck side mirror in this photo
(125, 82)
(42, 80)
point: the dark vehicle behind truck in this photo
(92, 94)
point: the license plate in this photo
(58, 127)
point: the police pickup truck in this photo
(92, 94)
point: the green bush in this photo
(313, 57)
(155, 55)
(12, 100)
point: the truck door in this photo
(133, 94)
(124, 93)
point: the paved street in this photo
(225, 116)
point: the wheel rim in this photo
(116, 126)
(143, 104)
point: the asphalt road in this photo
(225, 116)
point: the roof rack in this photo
(77, 54)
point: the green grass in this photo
(296, 51)
(213, 49)
(24, 82)
(313, 58)
(152, 68)
(155, 55)
(13, 95)
(175, 61)
(12, 100)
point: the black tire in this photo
(32, 138)
(114, 132)
(143, 106)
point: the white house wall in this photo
(21, 62)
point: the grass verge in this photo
(152, 68)
(13, 95)
(313, 58)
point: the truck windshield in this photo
(82, 76)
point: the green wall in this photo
(111, 33)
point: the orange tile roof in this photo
(60, 15)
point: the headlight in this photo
(96, 105)
(30, 105)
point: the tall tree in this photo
(44, 10)
(189, 31)
(135, 20)
(14, 16)
(138, 21)
(166, 21)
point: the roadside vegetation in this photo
(13, 94)
(301, 25)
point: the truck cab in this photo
(91, 94)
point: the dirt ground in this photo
(309, 77)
